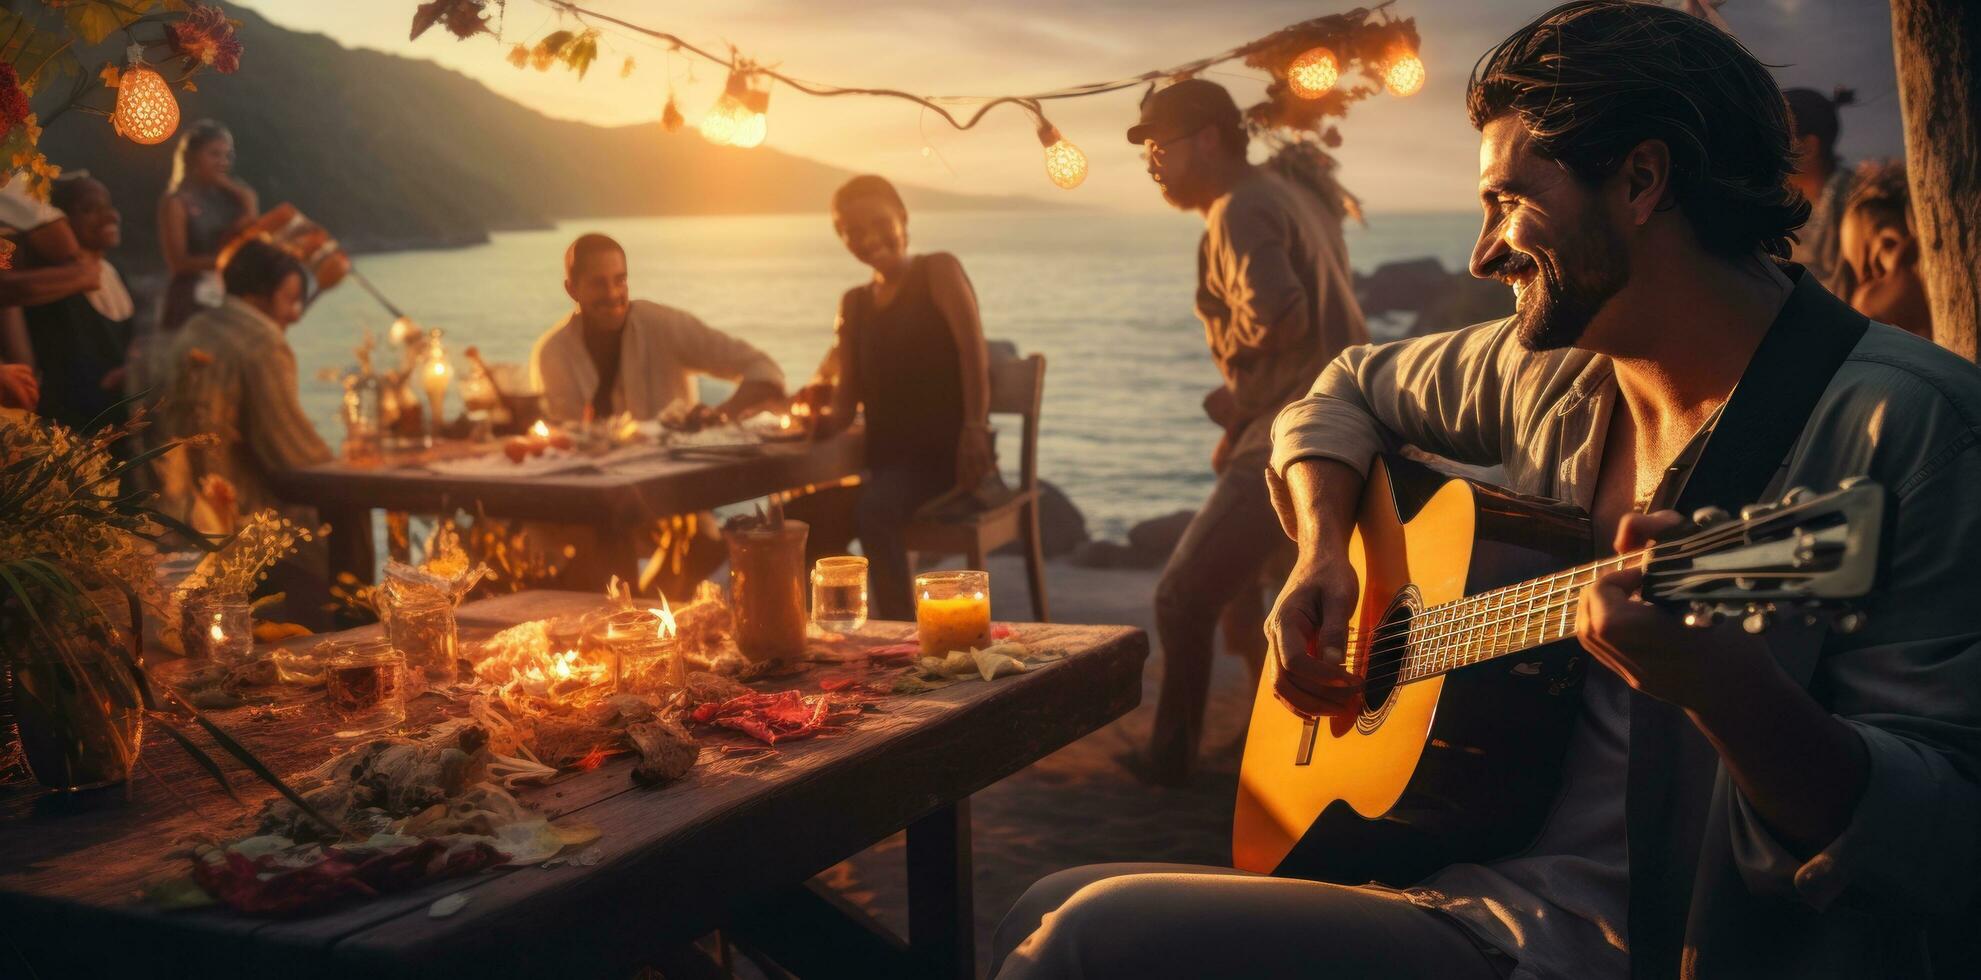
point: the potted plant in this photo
(77, 557)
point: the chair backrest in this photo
(1018, 387)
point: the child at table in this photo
(909, 350)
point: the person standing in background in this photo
(82, 341)
(1821, 177)
(1276, 297)
(203, 207)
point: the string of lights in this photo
(1307, 61)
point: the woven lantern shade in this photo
(146, 111)
(1405, 75)
(1313, 74)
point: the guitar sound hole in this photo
(1387, 652)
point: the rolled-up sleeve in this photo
(1910, 687)
(1447, 393)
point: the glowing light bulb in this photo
(1313, 74)
(1405, 74)
(1066, 166)
(740, 117)
(146, 111)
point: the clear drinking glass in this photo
(839, 593)
(632, 640)
(952, 611)
(365, 684)
(479, 402)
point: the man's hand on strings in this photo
(1307, 638)
(1649, 646)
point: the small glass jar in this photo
(219, 628)
(952, 611)
(839, 593)
(365, 684)
(420, 625)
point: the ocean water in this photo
(1107, 299)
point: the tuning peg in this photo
(1701, 615)
(1758, 618)
(1709, 516)
(1850, 622)
(1796, 495)
(1752, 511)
(1852, 482)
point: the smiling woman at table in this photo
(910, 351)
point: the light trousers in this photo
(1150, 921)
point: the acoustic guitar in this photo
(1464, 636)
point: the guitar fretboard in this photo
(1493, 624)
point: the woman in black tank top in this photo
(910, 352)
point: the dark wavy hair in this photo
(1592, 79)
(258, 268)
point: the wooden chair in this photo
(1017, 387)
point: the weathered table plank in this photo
(676, 861)
(623, 494)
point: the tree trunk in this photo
(1936, 44)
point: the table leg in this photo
(941, 918)
(349, 545)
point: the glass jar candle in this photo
(219, 628)
(839, 593)
(633, 641)
(365, 684)
(952, 611)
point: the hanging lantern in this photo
(1313, 74)
(670, 115)
(146, 111)
(1405, 74)
(1066, 166)
(740, 118)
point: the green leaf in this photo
(199, 755)
(255, 765)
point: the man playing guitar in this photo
(1784, 804)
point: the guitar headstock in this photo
(1808, 554)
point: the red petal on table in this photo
(1001, 632)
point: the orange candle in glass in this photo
(952, 611)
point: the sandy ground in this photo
(1078, 806)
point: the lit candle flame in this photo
(216, 632)
(784, 421)
(540, 430)
(664, 626)
(801, 410)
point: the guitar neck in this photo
(1504, 621)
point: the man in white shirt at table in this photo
(615, 354)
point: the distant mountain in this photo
(391, 152)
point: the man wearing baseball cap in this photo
(1275, 295)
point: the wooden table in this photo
(611, 498)
(731, 846)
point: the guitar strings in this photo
(1385, 639)
(1682, 548)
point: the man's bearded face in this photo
(1545, 236)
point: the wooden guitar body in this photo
(1457, 767)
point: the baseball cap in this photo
(1185, 107)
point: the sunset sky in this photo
(1400, 154)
